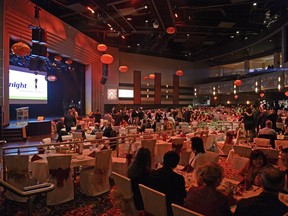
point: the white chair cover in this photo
(181, 211)
(123, 185)
(76, 135)
(154, 201)
(150, 144)
(149, 130)
(99, 135)
(95, 180)
(17, 175)
(281, 144)
(119, 165)
(212, 157)
(67, 137)
(60, 175)
(90, 137)
(46, 140)
(271, 154)
(242, 151)
(239, 162)
(262, 142)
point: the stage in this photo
(30, 129)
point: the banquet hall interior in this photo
(85, 84)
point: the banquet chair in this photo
(271, 138)
(76, 135)
(177, 144)
(120, 165)
(181, 211)
(16, 168)
(150, 144)
(44, 141)
(90, 137)
(61, 176)
(261, 142)
(242, 151)
(271, 154)
(99, 135)
(154, 201)
(67, 137)
(212, 157)
(239, 162)
(281, 144)
(95, 180)
(123, 186)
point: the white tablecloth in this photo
(40, 169)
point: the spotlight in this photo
(156, 24)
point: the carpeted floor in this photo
(81, 205)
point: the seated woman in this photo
(138, 172)
(205, 199)
(79, 129)
(197, 157)
(251, 172)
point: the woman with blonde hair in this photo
(205, 199)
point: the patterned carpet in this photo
(82, 205)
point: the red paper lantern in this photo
(286, 93)
(238, 82)
(235, 96)
(106, 59)
(215, 97)
(171, 30)
(58, 58)
(69, 61)
(179, 73)
(20, 49)
(102, 47)
(146, 77)
(151, 76)
(262, 94)
(123, 69)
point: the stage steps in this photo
(14, 133)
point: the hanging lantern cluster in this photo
(20, 49)
(69, 61)
(107, 59)
(238, 82)
(151, 76)
(102, 47)
(123, 69)
(179, 73)
(58, 58)
(171, 30)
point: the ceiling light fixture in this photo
(91, 10)
(156, 24)
(255, 4)
(146, 21)
(176, 15)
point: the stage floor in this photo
(13, 125)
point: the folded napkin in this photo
(36, 157)
(92, 154)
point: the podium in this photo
(22, 116)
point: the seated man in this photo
(167, 181)
(267, 203)
(268, 132)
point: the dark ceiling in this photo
(205, 29)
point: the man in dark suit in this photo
(69, 120)
(267, 203)
(165, 180)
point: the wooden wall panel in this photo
(137, 87)
(175, 89)
(157, 87)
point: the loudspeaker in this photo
(104, 74)
(36, 64)
(39, 49)
(103, 80)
